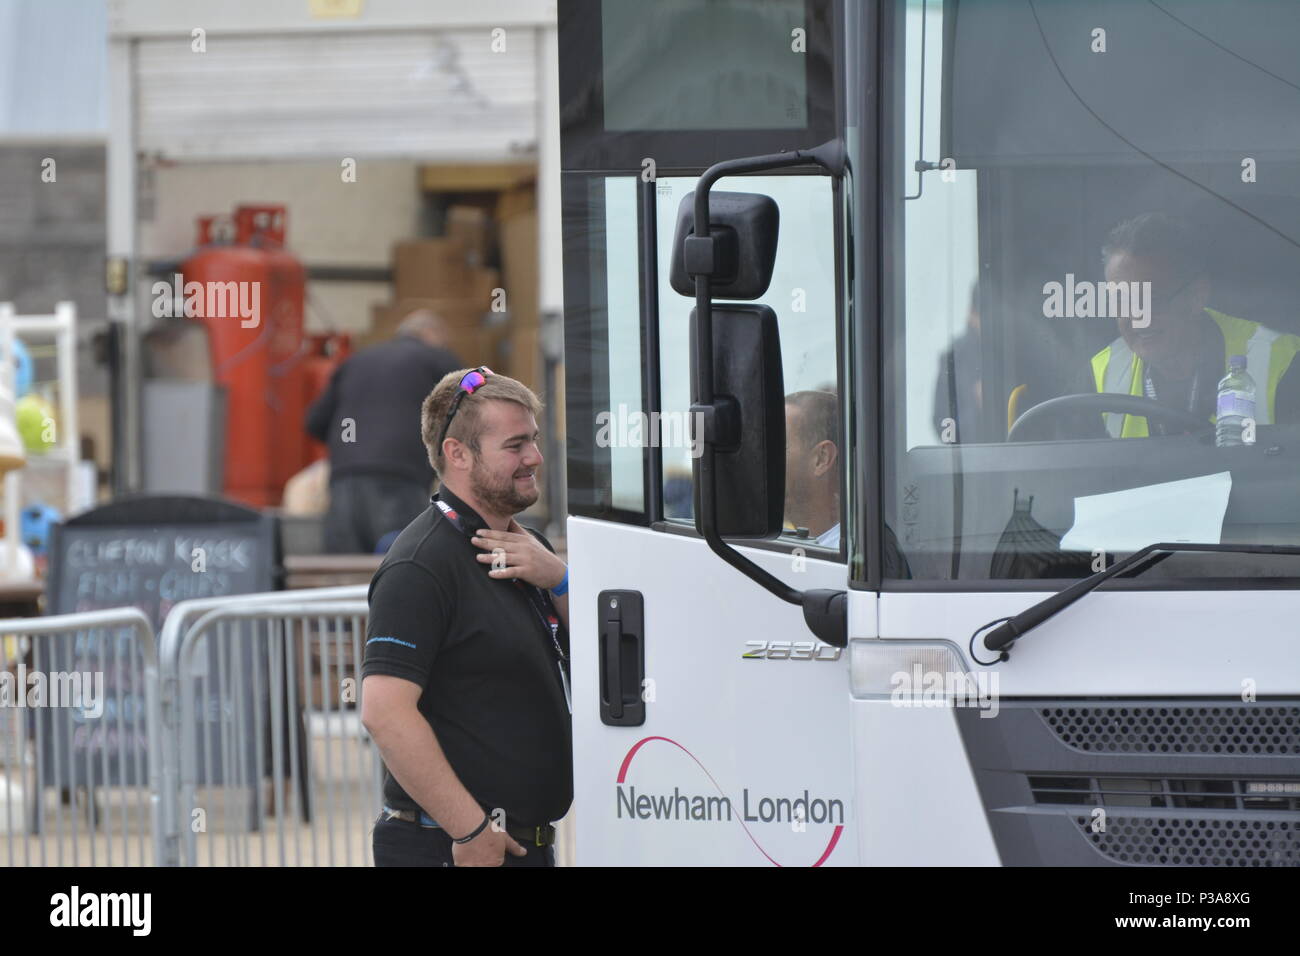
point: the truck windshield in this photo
(1093, 209)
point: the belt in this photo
(543, 835)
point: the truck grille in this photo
(1222, 728)
(1139, 781)
(1194, 840)
(1182, 793)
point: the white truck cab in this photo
(862, 571)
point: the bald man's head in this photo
(812, 481)
(426, 325)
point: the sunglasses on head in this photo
(469, 384)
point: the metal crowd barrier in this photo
(79, 740)
(278, 770)
(231, 738)
(256, 722)
(234, 738)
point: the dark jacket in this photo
(381, 389)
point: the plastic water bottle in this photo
(1236, 404)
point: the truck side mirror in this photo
(744, 227)
(737, 387)
(746, 423)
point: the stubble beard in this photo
(501, 499)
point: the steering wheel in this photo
(1099, 402)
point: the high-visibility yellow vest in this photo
(1116, 368)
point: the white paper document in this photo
(1189, 511)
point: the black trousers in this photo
(364, 508)
(402, 843)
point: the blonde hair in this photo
(467, 426)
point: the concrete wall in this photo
(52, 240)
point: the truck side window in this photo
(802, 294)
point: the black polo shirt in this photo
(486, 663)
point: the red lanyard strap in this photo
(539, 600)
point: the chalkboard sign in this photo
(149, 552)
(152, 552)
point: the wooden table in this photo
(329, 570)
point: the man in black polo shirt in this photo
(465, 683)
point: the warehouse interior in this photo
(379, 157)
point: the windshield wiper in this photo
(1009, 630)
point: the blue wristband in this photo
(562, 588)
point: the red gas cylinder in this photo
(231, 303)
(325, 353)
(265, 222)
(204, 237)
(263, 228)
(215, 229)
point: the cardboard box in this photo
(475, 177)
(437, 269)
(472, 227)
(516, 215)
(525, 358)
(520, 263)
(484, 284)
(517, 201)
(431, 269)
(470, 346)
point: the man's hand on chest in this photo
(517, 554)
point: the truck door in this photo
(710, 725)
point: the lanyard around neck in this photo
(1149, 386)
(537, 599)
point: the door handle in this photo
(622, 657)
(613, 696)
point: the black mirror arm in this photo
(699, 251)
(825, 613)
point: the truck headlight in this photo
(882, 670)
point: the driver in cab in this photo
(1177, 353)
